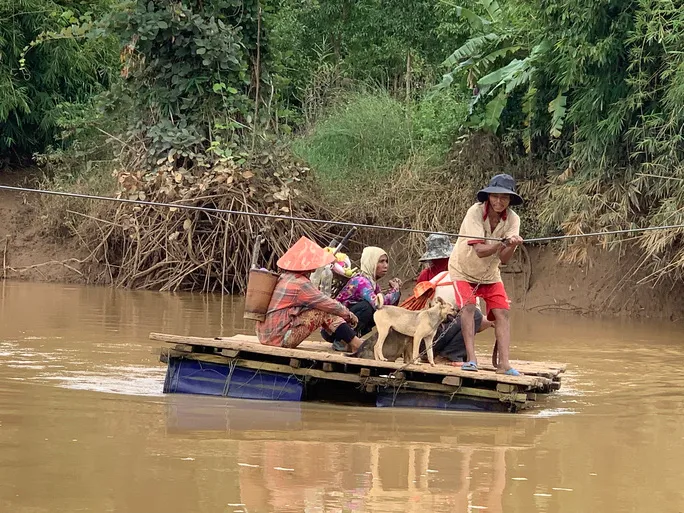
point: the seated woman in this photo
(439, 250)
(297, 308)
(360, 293)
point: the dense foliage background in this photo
(585, 97)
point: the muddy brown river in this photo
(84, 426)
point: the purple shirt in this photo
(359, 288)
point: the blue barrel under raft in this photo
(188, 376)
(185, 376)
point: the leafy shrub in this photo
(362, 138)
(43, 65)
(186, 70)
(437, 120)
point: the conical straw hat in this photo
(305, 255)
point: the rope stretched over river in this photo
(328, 222)
(236, 212)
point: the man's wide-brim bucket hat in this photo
(305, 255)
(438, 246)
(500, 184)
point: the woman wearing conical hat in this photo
(297, 308)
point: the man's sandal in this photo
(509, 372)
(469, 366)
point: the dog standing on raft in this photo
(421, 325)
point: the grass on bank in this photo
(367, 136)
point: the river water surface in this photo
(84, 426)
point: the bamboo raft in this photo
(241, 367)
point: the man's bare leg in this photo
(502, 328)
(468, 331)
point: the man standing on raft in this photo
(474, 265)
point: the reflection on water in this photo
(300, 458)
(84, 426)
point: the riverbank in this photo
(29, 251)
(537, 280)
(607, 284)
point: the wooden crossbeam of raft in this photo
(312, 351)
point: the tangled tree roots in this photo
(178, 249)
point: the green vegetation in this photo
(580, 100)
(47, 70)
(437, 120)
(363, 137)
(367, 135)
(187, 78)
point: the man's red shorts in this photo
(494, 295)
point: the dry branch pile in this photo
(176, 249)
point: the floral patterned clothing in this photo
(360, 288)
(307, 322)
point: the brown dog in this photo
(421, 325)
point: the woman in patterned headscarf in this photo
(361, 292)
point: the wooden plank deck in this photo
(537, 376)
